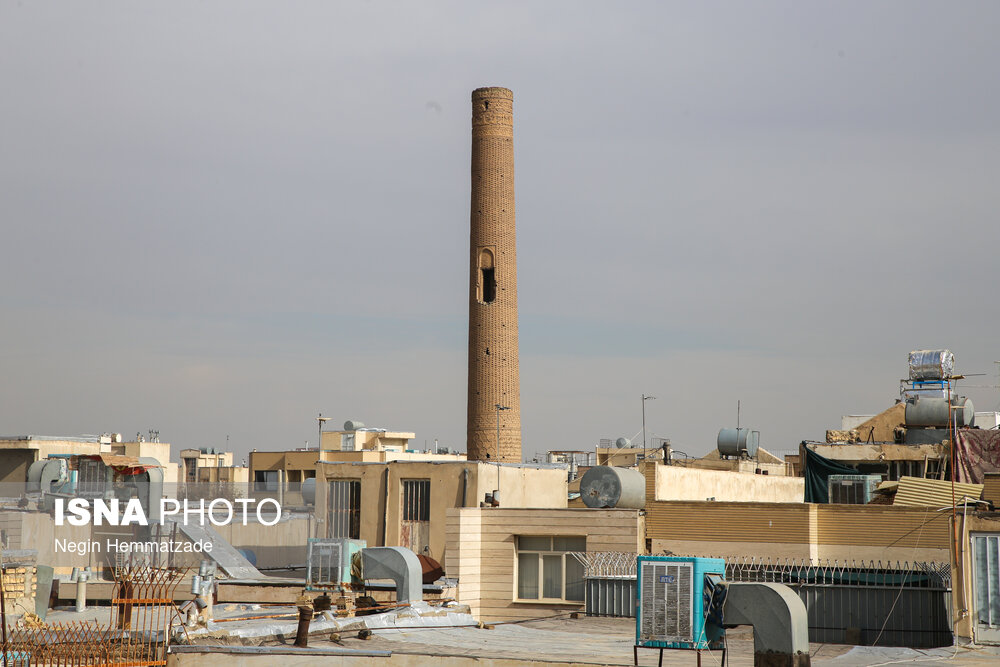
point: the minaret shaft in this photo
(493, 359)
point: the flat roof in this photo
(542, 466)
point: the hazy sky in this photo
(222, 218)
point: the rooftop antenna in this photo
(737, 413)
(319, 442)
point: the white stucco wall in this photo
(676, 483)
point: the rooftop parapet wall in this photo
(677, 483)
(799, 530)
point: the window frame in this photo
(415, 500)
(541, 554)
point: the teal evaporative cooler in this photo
(678, 602)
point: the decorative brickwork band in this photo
(493, 362)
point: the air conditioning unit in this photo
(852, 489)
(670, 602)
(328, 561)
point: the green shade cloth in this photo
(817, 470)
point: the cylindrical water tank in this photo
(309, 491)
(738, 442)
(964, 410)
(353, 425)
(931, 364)
(606, 486)
(936, 412)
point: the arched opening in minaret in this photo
(489, 286)
(487, 277)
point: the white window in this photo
(547, 571)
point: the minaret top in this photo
(492, 113)
(492, 92)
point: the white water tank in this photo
(607, 486)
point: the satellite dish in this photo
(622, 442)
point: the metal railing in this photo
(143, 608)
(927, 575)
(868, 603)
(606, 564)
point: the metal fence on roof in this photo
(606, 564)
(870, 603)
(142, 614)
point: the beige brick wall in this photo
(482, 551)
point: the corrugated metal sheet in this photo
(991, 488)
(649, 470)
(918, 492)
(611, 597)
(113, 460)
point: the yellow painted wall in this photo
(799, 530)
(962, 569)
(381, 485)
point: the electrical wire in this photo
(902, 583)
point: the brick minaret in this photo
(493, 374)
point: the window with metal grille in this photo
(92, 478)
(547, 571)
(344, 509)
(416, 500)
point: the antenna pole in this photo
(644, 399)
(644, 421)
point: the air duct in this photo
(46, 472)
(779, 620)
(396, 563)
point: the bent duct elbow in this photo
(779, 620)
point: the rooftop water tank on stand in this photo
(606, 486)
(738, 442)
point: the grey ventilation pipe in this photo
(396, 563)
(35, 476)
(779, 620)
(154, 491)
(42, 474)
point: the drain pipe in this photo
(385, 517)
(81, 590)
(779, 620)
